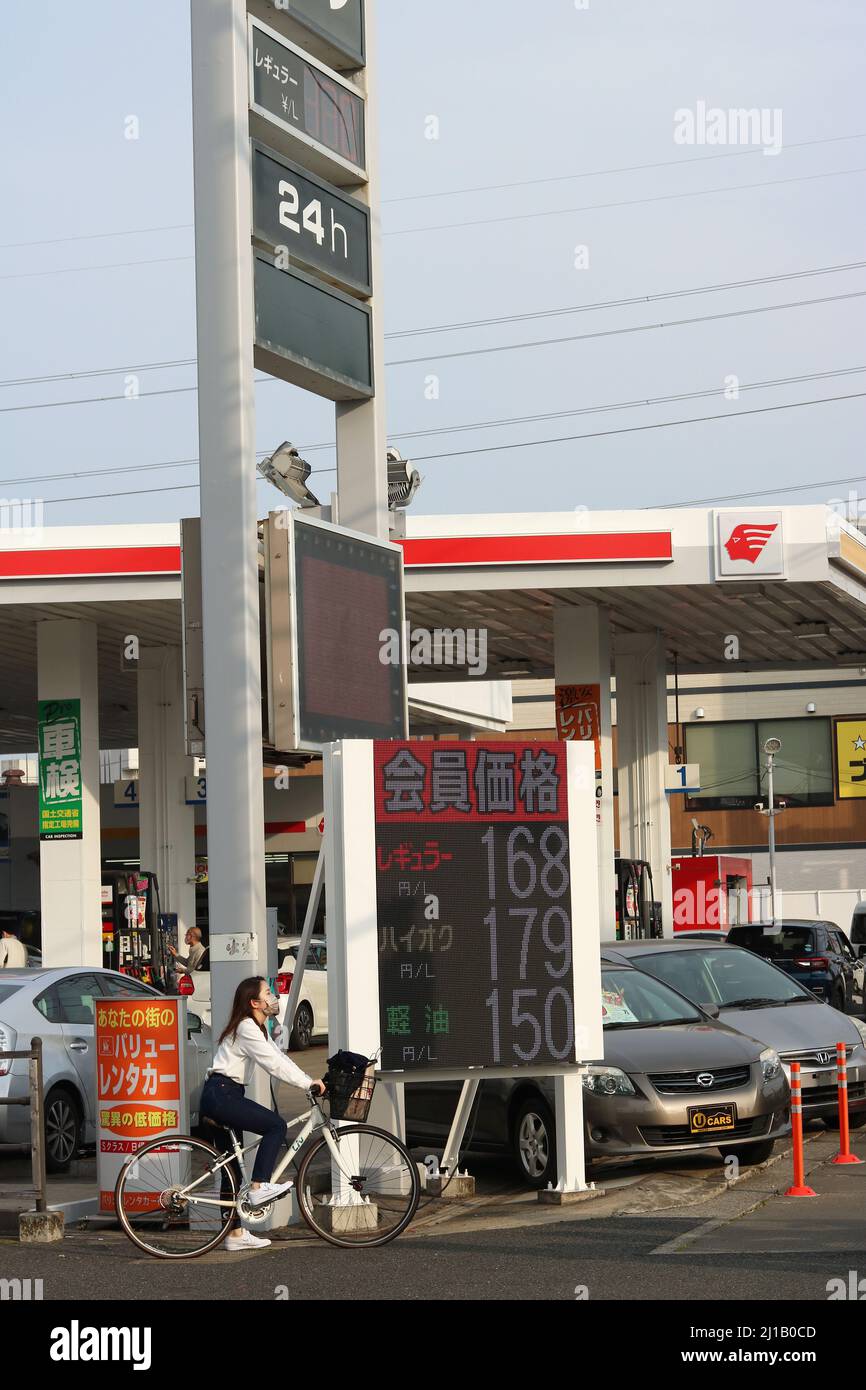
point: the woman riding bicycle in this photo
(244, 1043)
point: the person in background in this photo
(13, 953)
(244, 1044)
(186, 964)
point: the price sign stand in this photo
(306, 938)
(463, 920)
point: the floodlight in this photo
(285, 470)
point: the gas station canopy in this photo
(788, 583)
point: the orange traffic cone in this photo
(844, 1155)
(799, 1188)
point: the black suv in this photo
(817, 954)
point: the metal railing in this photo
(37, 1115)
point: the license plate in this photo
(712, 1119)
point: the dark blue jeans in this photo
(223, 1100)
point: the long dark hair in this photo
(246, 992)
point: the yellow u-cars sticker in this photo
(712, 1119)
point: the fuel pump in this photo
(132, 939)
(638, 915)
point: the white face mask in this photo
(271, 1005)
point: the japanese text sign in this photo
(474, 904)
(60, 790)
(578, 716)
(140, 1092)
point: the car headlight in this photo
(771, 1063)
(607, 1081)
(861, 1028)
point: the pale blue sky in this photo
(562, 92)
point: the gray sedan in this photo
(673, 1081)
(751, 994)
(57, 1006)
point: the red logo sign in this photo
(747, 541)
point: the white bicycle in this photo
(356, 1185)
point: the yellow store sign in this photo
(851, 757)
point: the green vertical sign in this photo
(60, 816)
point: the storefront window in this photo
(733, 763)
(726, 754)
(804, 766)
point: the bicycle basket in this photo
(351, 1093)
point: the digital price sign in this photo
(300, 96)
(331, 593)
(322, 229)
(332, 29)
(310, 334)
(475, 902)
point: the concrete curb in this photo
(679, 1245)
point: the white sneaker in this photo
(268, 1192)
(244, 1240)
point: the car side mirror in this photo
(711, 1009)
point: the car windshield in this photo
(782, 944)
(632, 1000)
(6, 990)
(727, 976)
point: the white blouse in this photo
(236, 1057)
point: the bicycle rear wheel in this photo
(167, 1198)
(368, 1198)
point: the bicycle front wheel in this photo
(168, 1198)
(366, 1196)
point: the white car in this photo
(311, 1014)
(57, 1006)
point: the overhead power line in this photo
(104, 236)
(401, 435)
(637, 429)
(622, 169)
(470, 352)
(81, 269)
(175, 363)
(624, 303)
(455, 192)
(762, 492)
(497, 448)
(626, 203)
(620, 332)
(482, 222)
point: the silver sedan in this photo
(673, 1081)
(749, 993)
(57, 1006)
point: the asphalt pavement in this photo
(666, 1229)
(567, 1260)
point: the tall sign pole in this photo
(230, 587)
(362, 484)
(287, 259)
